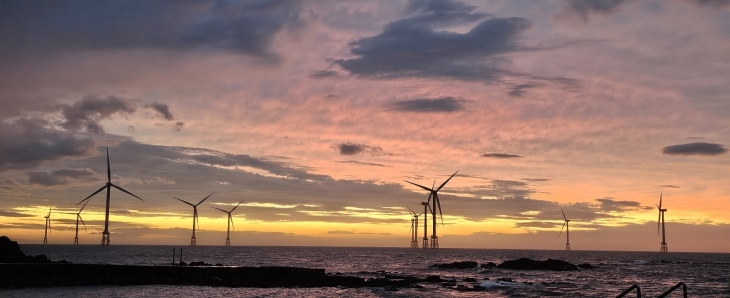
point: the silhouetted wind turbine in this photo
(230, 222)
(78, 217)
(414, 228)
(566, 225)
(661, 219)
(48, 225)
(105, 235)
(195, 216)
(436, 205)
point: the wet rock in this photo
(433, 278)
(488, 265)
(529, 264)
(470, 279)
(456, 265)
(507, 279)
(10, 253)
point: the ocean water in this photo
(706, 274)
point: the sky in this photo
(315, 112)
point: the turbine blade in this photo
(186, 202)
(421, 186)
(561, 210)
(91, 195)
(201, 202)
(219, 209)
(230, 217)
(561, 229)
(82, 208)
(129, 193)
(658, 220)
(660, 200)
(108, 167)
(239, 203)
(438, 202)
(82, 221)
(195, 213)
(409, 208)
(447, 181)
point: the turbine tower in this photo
(661, 220)
(78, 217)
(414, 228)
(566, 225)
(230, 222)
(436, 205)
(48, 226)
(426, 207)
(105, 235)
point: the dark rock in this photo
(488, 265)
(448, 284)
(507, 279)
(219, 264)
(433, 278)
(183, 263)
(470, 279)
(529, 264)
(456, 265)
(586, 266)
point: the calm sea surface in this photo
(706, 274)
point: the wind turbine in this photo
(566, 225)
(661, 219)
(414, 228)
(195, 216)
(48, 225)
(436, 204)
(78, 217)
(105, 235)
(230, 222)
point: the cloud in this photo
(90, 110)
(583, 9)
(362, 163)
(700, 148)
(4, 213)
(33, 143)
(413, 48)
(499, 155)
(611, 205)
(178, 126)
(246, 27)
(324, 74)
(710, 3)
(669, 186)
(161, 108)
(354, 148)
(536, 179)
(435, 105)
(519, 90)
(60, 177)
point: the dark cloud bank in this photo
(700, 148)
(436, 105)
(500, 155)
(354, 149)
(246, 27)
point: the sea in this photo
(705, 274)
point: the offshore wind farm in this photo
(318, 126)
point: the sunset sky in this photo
(315, 112)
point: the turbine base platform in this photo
(76, 241)
(105, 239)
(434, 242)
(228, 242)
(414, 244)
(664, 248)
(425, 242)
(45, 240)
(567, 246)
(192, 241)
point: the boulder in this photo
(488, 265)
(529, 264)
(586, 266)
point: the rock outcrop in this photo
(529, 264)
